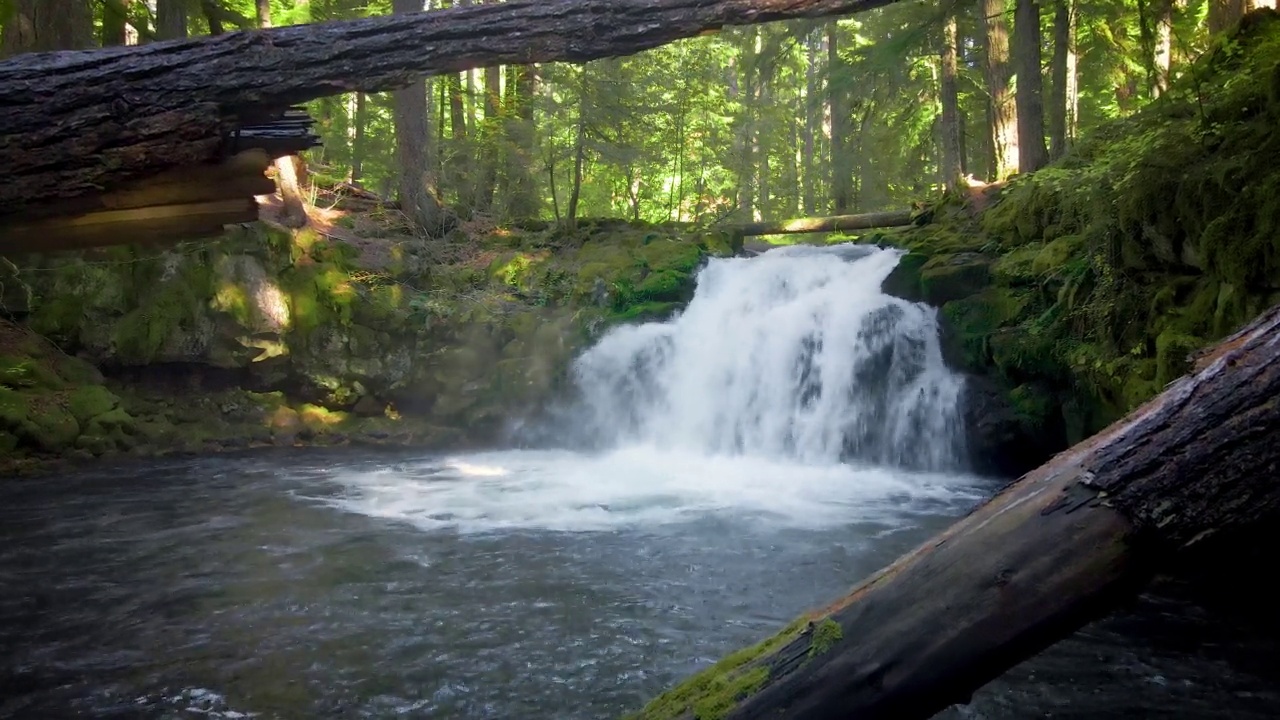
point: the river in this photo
(710, 478)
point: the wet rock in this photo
(1004, 439)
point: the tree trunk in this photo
(952, 158)
(1224, 14)
(1046, 555)
(813, 118)
(118, 116)
(358, 137)
(579, 154)
(1030, 98)
(863, 221)
(171, 19)
(522, 191)
(263, 8)
(491, 140)
(416, 187)
(45, 25)
(213, 16)
(838, 97)
(115, 23)
(745, 84)
(1064, 98)
(1003, 116)
(1162, 62)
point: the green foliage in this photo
(825, 635)
(713, 693)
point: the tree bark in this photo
(521, 191)
(115, 23)
(1224, 14)
(1047, 554)
(1003, 115)
(837, 91)
(952, 157)
(579, 153)
(1162, 62)
(358, 137)
(863, 221)
(416, 189)
(1030, 100)
(45, 25)
(1064, 98)
(171, 19)
(813, 120)
(78, 123)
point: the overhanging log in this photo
(83, 122)
(833, 223)
(1043, 557)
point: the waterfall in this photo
(793, 355)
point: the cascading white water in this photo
(795, 354)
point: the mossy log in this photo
(1049, 553)
(84, 122)
(832, 223)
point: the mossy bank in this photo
(267, 336)
(1078, 292)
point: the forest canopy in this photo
(854, 114)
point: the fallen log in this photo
(1047, 554)
(79, 122)
(833, 223)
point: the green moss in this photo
(1172, 352)
(825, 635)
(88, 402)
(37, 419)
(904, 281)
(24, 371)
(712, 693)
(952, 277)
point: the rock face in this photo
(292, 337)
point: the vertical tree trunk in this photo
(522, 191)
(1003, 116)
(211, 15)
(417, 192)
(288, 168)
(1063, 99)
(1162, 63)
(952, 159)
(1223, 14)
(171, 19)
(359, 118)
(763, 145)
(45, 25)
(812, 121)
(490, 140)
(579, 153)
(1030, 97)
(837, 98)
(746, 91)
(115, 23)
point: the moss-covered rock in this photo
(89, 401)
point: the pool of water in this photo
(517, 584)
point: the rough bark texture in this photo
(82, 121)
(44, 25)
(1030, 100)
(171, 19)
(1062, 99)
(952, 158)
(416, 189)
(864, 221)
(841, 166)
(1044, 556)
(1003, 114)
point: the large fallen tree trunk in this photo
(1044, 556)
(833, 223)
(81, 122)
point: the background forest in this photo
(858, 114)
